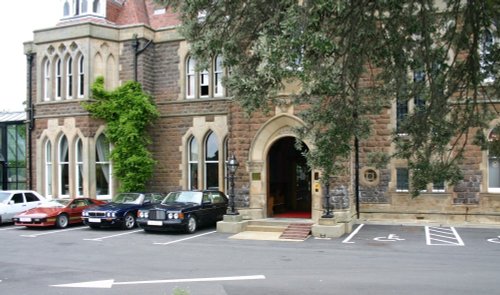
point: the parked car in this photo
(184, 210)
(13, 202)
(121, 211)
(58, 212)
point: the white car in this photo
(13, 202)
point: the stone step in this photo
(265, 228)
(297, 231)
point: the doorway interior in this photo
(289, 183)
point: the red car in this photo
(58, 212)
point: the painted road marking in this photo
(389, 238)
(185, 239)
(494, 240)
(442, 236)
(112, 236)
(10, 228)
(107, 284)
(348, 239)
(51, 232)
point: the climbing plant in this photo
(128, 111)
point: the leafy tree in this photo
(352, 59)
(127, 111)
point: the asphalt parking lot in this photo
(373, 259)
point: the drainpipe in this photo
(356, 173)
(137, 52)
(30, 116)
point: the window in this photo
(486, 61)
(46, 80)
(494, 162)
(18, 198)
(438, 187)
(58, 79)
(16, 156)
(96, 7)
(63, 167)
(218, 72)
(81, 77)
(211, 161)
(76, 7)
(69, 78)
(402, 180)
(205, 83)
(103, 168)
(84, 6)
(401, 113)
(193, 164)
(66, 9)
(48, 169)
(79, 167)
(190, 78)
(30, 197)
(419, 80)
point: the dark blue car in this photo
(121, 211)
(184, 210)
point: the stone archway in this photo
(280, 126)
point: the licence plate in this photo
(25, 219)
(95, 220)
(155, 222)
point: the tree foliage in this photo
(352, 59)
(127, 111)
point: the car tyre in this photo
(62, 221)
(191, 225)
(129, 221)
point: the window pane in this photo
(102, 166)
(193, 175)
(193, 150)
(212, 175)
(212, 148)
(402, 179)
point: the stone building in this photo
(200, 126)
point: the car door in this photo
(32, 200)
(219, 205)
(76, 208)
(16, 204)
(205, 214)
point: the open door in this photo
(289, 183)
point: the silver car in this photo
(13, 202)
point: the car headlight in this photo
(143, 214)
(175, 215)
(85, 213)
(111, 214)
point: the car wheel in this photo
(192, 225)
(129, 221)
(62, 221)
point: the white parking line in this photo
(442, 236)
(185, 239)
(117, 235)
(347, 240)
(51, 232)
(10, 228)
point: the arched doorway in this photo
(289, 183)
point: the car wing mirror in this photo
(11, 202)
(73, 206)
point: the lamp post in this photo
(232, 165)
(328, 213)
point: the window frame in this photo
(211, 138)
(63, 165)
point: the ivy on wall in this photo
(128, 111)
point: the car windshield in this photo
(4, 197)
(55, 203)
(128, 198)
(183, 197)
